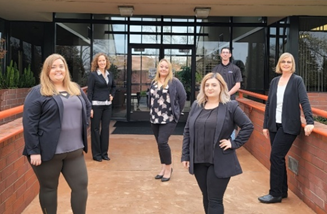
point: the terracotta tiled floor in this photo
(126, 184)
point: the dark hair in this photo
(226, 48)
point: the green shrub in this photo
(12, 78)
(320, 119)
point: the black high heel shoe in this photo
(163, 179)
(158, 177)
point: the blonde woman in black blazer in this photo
(101, 91)
(282, 123)
(55, 120)
(208, 150)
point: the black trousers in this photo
(212, 188)
(280, 145)
(72, 166)
(100, 131)
(162, 133)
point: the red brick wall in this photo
(318, 100)
(310, 184)
(18, 183)
(10, 98)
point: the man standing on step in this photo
(231, 74)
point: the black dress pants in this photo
(212, 187)
(280, 145)
(162, 133)
(72, 166)
(100, 131)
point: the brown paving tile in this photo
(126, 184)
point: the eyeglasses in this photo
(288, 62)
(225, 52)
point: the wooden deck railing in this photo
(242, 92)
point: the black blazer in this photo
(42, 118)
(295, 94)
(98, 89)
(226, 163)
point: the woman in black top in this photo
(101, 91)
(208, 150)
(166, 101)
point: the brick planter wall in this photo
(310, 183)
(10, 98)
(18, 183)
(318, 100)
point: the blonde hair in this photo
(94, 64)
(281, 58)
(47, 86)
(224, 96)
(169, 76)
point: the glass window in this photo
(208, 46)
(313, 53)
(73, 15)
(258, 19)
(26, 42)
(73, 43)
(249, 55)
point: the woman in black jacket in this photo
(282, 123)
(167, 98)
(55, 119)
(208, 150)
(101, 91)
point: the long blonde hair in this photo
(170, 75)
(47, 86)
(281, 58)
(224, 96)
(94, 64)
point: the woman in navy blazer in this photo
(208, 150)
(101, 91)
(282, 123)
(55, 120)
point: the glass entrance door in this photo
(142, 69)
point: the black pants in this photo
(212, 188)
(72, 166)
(100, 136)
(162, 133)
(280, 145)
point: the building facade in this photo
(136, 43)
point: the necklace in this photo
(64, 94)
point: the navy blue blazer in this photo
(295, 94)
(98, 89)
(177, 96)
(42, 118)
(226, 163)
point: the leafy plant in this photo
(27, 80)
(12, 78)
(320, 119)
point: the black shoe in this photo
(163, 179)
(284, 195)
(158, 177)
(106, 158)
(99, 160)
(268, 199)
